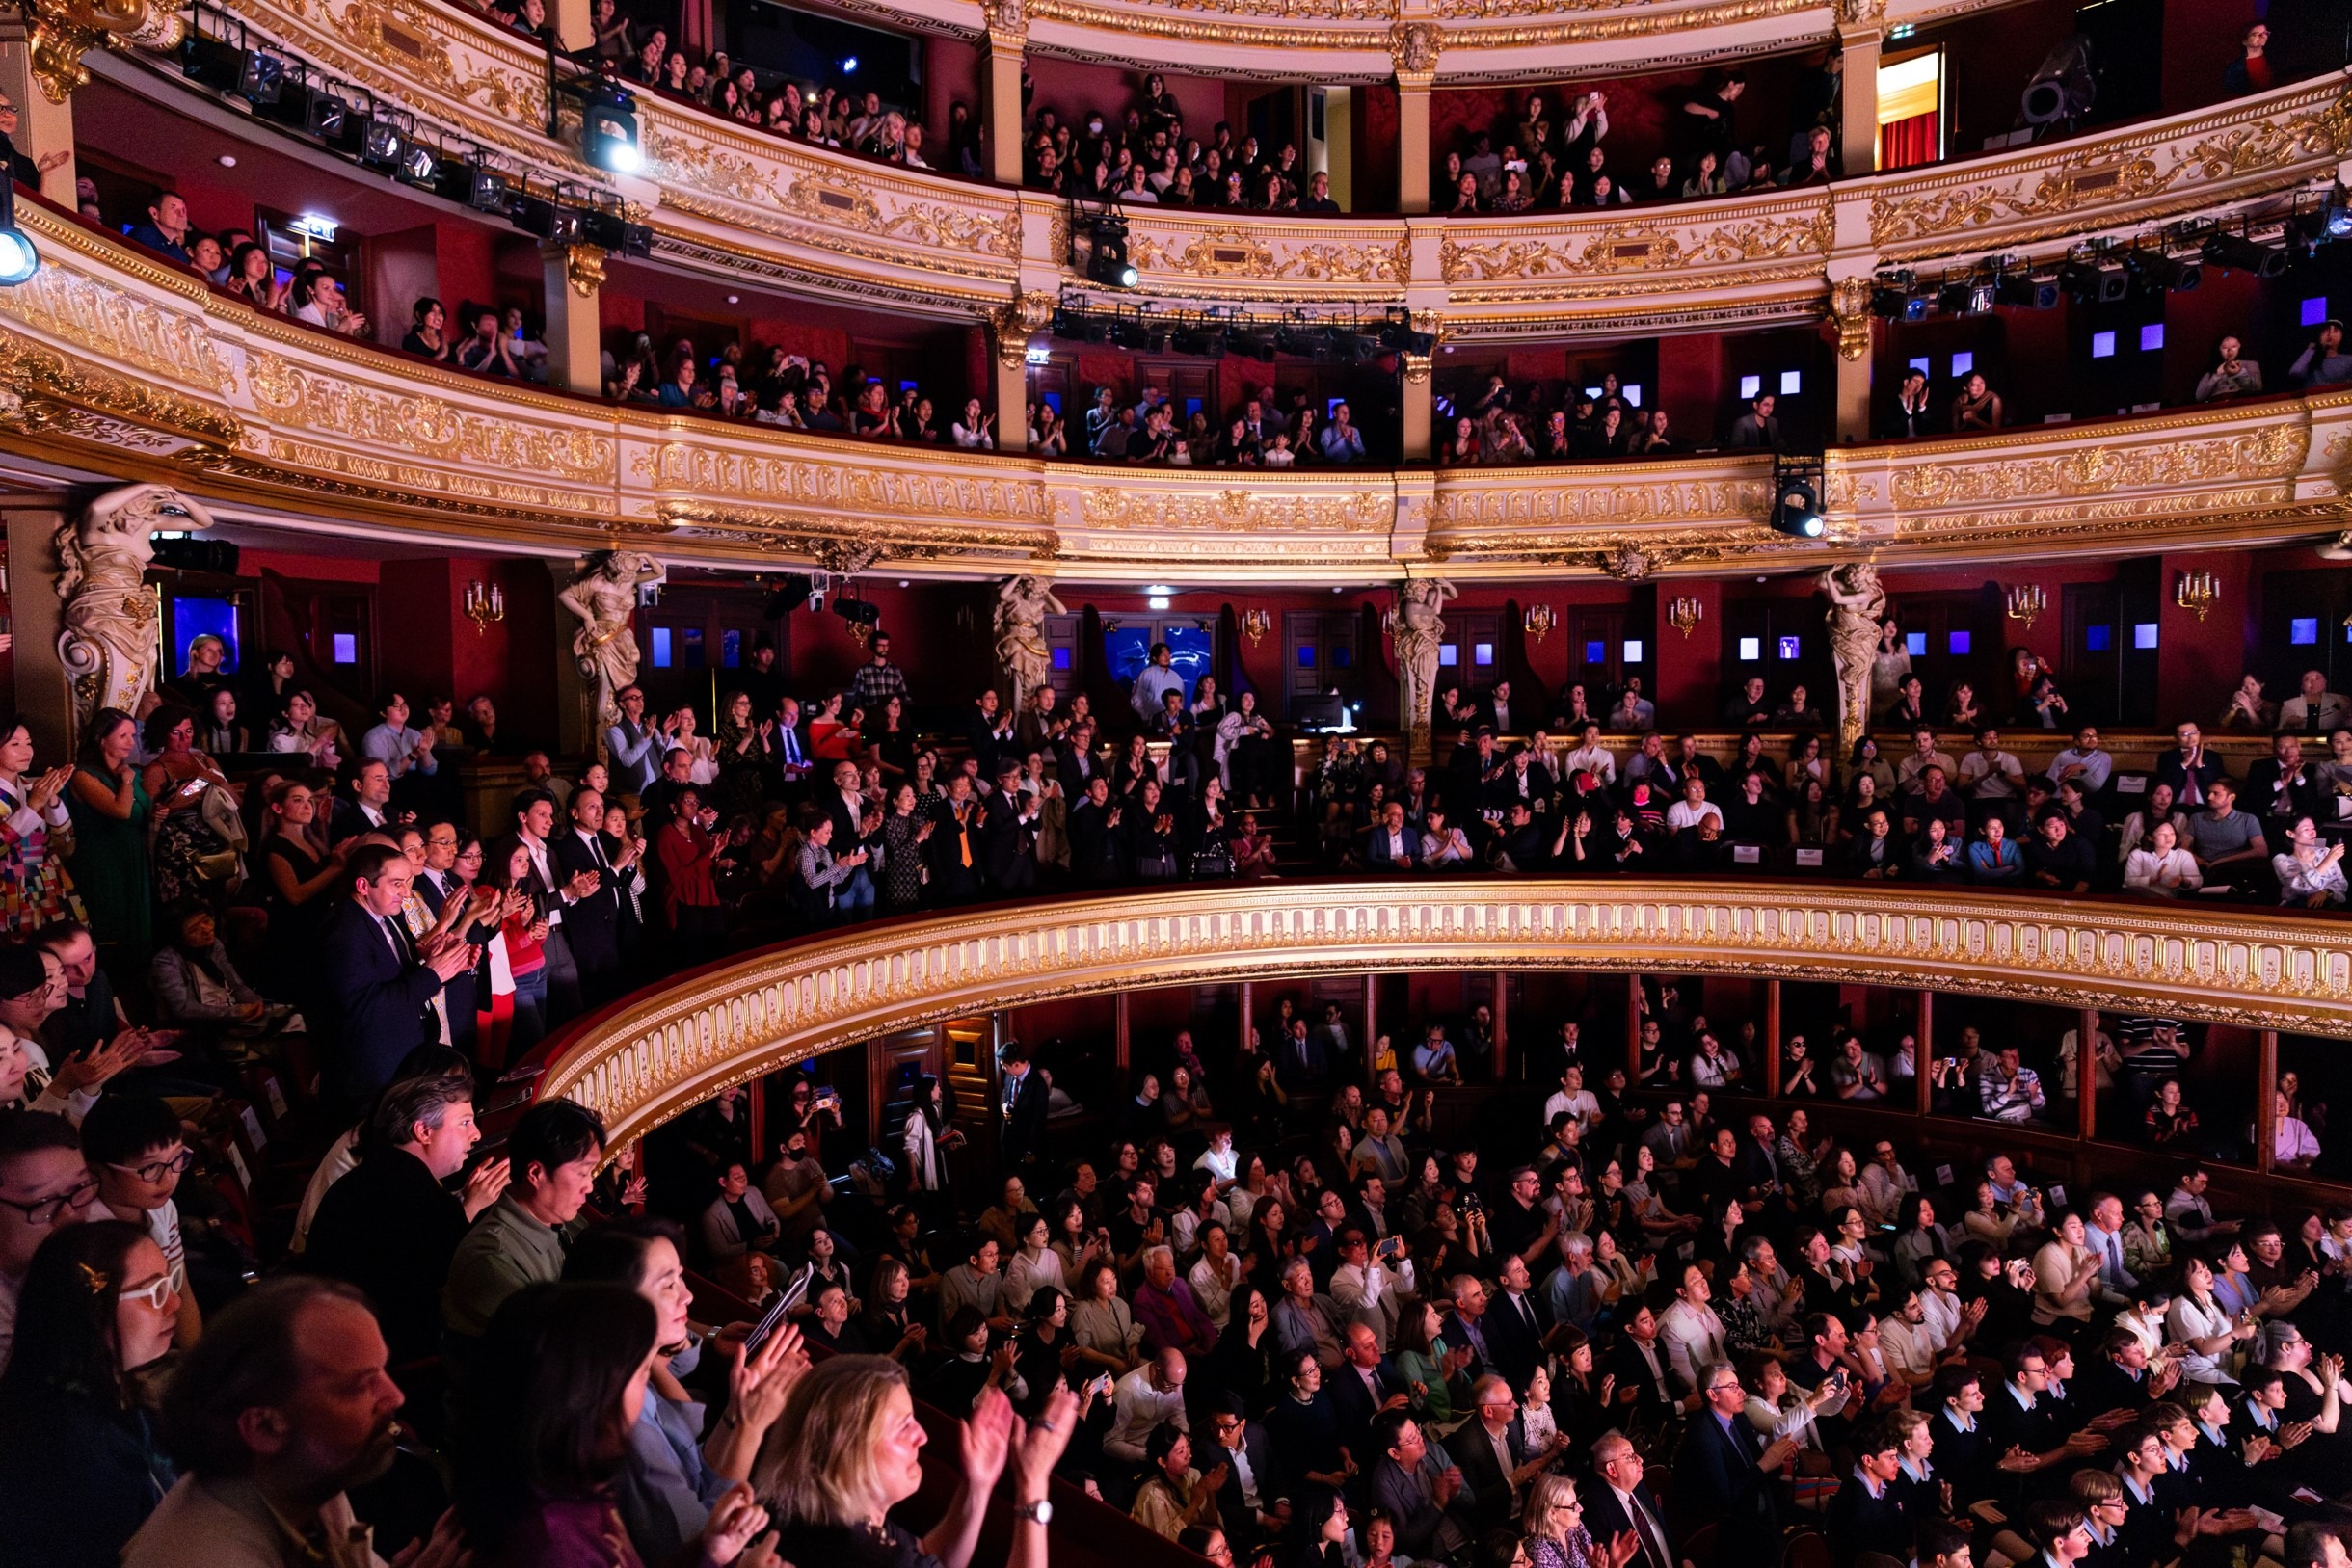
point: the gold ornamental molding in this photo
(652, 1056)
(61, 32)
(116, 368)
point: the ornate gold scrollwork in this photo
(62, 31)
(1414, 46)
(584, 269)
(1850, 308)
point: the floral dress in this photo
(35, 887)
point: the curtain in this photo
(1910, 143)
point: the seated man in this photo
(1433, 1059)
(2226, 842)
(1417, 1485)
(554, 1155)
(2056, 857)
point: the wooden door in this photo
(1320, 658)
(2091, 669)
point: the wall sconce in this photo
(2026, 603)
(1256, 622)
(1539, 622)
(1684, 614)
(2196, 591)
(484, 606)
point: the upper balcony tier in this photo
(730, 201)
(120, 368)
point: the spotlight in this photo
(383, 145)
(488, 191)
(2160, 273)
(18, 259)
(2239, 253)
(858, 612)
(1304, 341)
(1795, 507)
(1106, 258)
(2099, 279)
(262, 79)
(2022, 289)
(417, 165)
(849, 65)
(1965, 296)
(213, 62)
(324, 115)
(636, 240)
(533, 215)
(608, 130)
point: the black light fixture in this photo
(2099, 279)
(488, 191)
(1107, 261)
(1965, 296)
(212, 62)
(609, 129)
(325, 115)
(2158, 272)
(2028, 290)
(384, 142)
(2239, 253)
(18, 259)
(1890, 294)
(858, 612)
(417, 164)
(1796, 498)
(262, 79)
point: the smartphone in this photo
(784, 1303)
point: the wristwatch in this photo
(1041, 1511)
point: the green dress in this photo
(110, 868)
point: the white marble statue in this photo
(1022, 605)
(112, 619)
(605, 598)
(1857, 604)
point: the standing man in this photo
(636, 747)
(382, 986)
(878, 679)
(592, 919)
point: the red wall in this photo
(1072, 90)
(2199, 662)
(429, 645)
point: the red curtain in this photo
(1907, 143)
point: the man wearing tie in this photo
(791, 749)
(383, 986)
(1619, 1501)
(956, 845)
(1514, 1323)
(2116, 1283)
(591, 922)
(1727, 1476)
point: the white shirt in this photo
(1598, 761)
(1683, 814)
(1693, 1337)
(1942, 1316)
(1581, 1104)
(1139, 1407)
(1214, 1293)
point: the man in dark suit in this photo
(2120, 1377)
(1094, 837)
(1495, 710)
(435, 884)
(2190, 770)
(1641, 1368)
(1616, 1499)
(2283, 787)
(988, 729)
(1363, 1385)
(1523, 778)
(1025, 1106)
(1488, 1448)
(1246, 1503)
(1008, 835)
(1393, 846)
(1867, 1513)
(789, 752)
(1726, 1473)
(956, 845)
(368, 807)
(591, 923)
(381, 984)
(1516, 1318)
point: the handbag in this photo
(1212, 862)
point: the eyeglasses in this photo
(43, 1212)
(167, 1285)
(157, 1170)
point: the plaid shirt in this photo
(874, 682)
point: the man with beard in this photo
(281, 1407)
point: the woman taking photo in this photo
(848, 1449)
(544, 1429)
(81, 1466)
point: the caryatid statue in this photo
(1022, 605)
(1857, 604)
(605, 598)
(112, 620)
(1419, 630)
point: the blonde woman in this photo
(848, 1449)
(1554, 1523)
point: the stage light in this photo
(2159, 272)
(1795, 507)
(608, 130)
(2027, 291)
(2241, 254)
(2100, 279)
(1107, 257)
(324, 115)
(18, 259)
(262, 78)
(488, 191)
(383, 145)
(417, 164)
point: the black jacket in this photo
(390, 1228)
(382, 999)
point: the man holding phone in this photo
(1369, 1281)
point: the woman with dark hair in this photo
(543, 1434)
(109, 807)
(1319, 1527)
(673, 1477)
(81, 1466)
(191, 858)
(427, 334)
(1041, 1350)
(35, 836)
